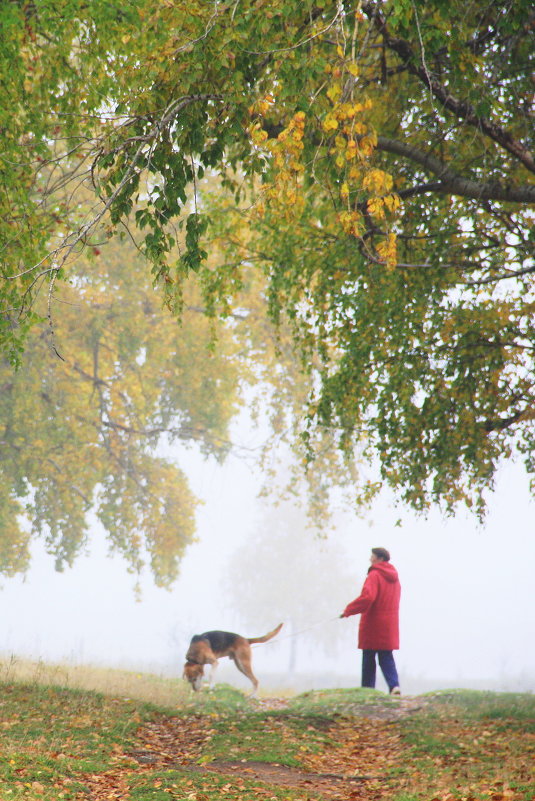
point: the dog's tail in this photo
(266, 637)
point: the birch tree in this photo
(382, 154)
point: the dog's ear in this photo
(192, 671)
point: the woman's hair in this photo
(381, 553)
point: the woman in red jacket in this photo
(378, 605)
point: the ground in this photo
(79, 745)
(354, 769)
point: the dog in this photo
(206, 649)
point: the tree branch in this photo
(501, 277)
(502, 423)
(452, 182)
(461, 109)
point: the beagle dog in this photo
(206, 649)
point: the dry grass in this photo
(166, 692)
(171, 693)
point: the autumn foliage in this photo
(374, 167)
(346, 744)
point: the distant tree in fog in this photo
(285, 572)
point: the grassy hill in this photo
(149, 739)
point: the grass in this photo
(148, 687)
(271, 737)
(50, 737)
(474, 739)
(61, 740)
(163, 787)
(341, 701)
(480, 705)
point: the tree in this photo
(389, 170)
(86, 421)
(80, 434)
(285, 572)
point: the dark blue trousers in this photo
(387, 665)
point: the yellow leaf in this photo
(387, 251)
(392, 202)
(334, 92)
(375, 207)
(378, 181)
(330, 123)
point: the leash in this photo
(296, 633)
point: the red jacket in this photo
(378, 605)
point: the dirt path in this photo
(358, 766)
(325, 785)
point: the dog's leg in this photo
(213, 666)
(243, 663)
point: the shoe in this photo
(395, 691)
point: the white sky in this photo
(467, 614)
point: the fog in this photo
(467, 611)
